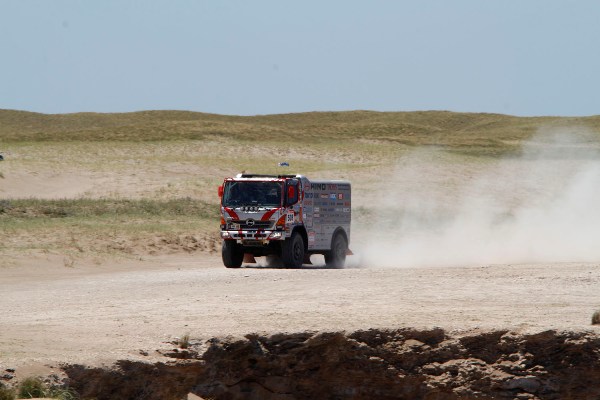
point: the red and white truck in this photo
(288, 216)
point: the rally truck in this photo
(287, 216)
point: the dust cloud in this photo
(541, 205)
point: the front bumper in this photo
(253, 237)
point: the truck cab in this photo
(288, 216)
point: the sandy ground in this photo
(129, 308)
(98, 312)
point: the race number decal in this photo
(290, 217)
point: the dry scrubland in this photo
(95, 185)
(109, 251)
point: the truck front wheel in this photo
(292, 252)
(336, 257)
(232, 254)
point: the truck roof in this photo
(261, 176)
(265, 177)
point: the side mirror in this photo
(221, 191)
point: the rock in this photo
(373, 364)
(530, 384)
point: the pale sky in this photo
(519, 57)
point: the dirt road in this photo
(125, 308)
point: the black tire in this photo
(336, 257)
(232, 254)
(292, 251)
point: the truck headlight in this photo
(276, 235)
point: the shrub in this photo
(32, 387)
(63, 394)
(4, 206)
(6, 393)
(184, 341)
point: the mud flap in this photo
(307, 259)
(249, 258)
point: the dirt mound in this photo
(161, 244)
(381, 364)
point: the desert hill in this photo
(489, 133)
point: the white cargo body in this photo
(285, 215)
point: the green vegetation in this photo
(487, 134)
(27, 209)
(145, 182)
(32, 387)
(35, 387)
(78, 226)
(6, 393)
(184, 341)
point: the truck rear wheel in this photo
(232, 254)
(336, 257)
(292, 251)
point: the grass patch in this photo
(35, 387)
(89, 208)
(149, 179)
(184, 341)
(74, 227)
(32, 387)
(464, 132)
(6, 393)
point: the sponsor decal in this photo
(231, 213)
(317, 209)
(269, 214)
(333, 196)
(346, 210)
(318, 186)
(311, 236)
(340, 196)
(308, 222)
(324, 196)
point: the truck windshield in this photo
(252, 193)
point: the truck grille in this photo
(253, 224)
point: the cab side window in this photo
(292, 192)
